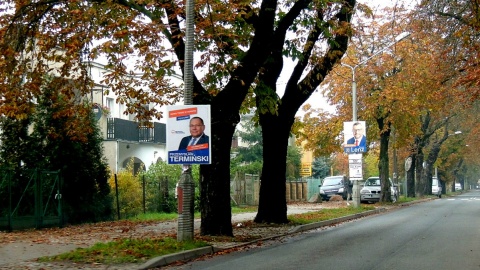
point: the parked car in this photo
(436, 187)
(458, 186)
(334, 185)
(372, 188)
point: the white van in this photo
(436, 187)
(458, 186)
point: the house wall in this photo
(119, 153)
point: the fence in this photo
(30, 199)
(157, 195)
(313, 186)
(296, 191)
(153, 195)
(245, 189)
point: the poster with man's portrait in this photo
(188, 134)
(355, 137)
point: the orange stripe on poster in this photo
(182, 112)
(197, 147)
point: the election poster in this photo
(188, 134)
(355, 140)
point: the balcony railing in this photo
(120, 129)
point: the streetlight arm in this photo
(354, 84)
(382, 50)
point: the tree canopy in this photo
(143, 42)
(419, 87)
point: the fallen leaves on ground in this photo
(86, 235)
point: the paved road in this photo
(439, 234)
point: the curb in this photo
(310, 226)
(180, 256)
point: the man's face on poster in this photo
(196, 127)
(357, 131)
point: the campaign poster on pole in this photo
(355, 140)
(188, 130)
(355, 166)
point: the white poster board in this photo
(355, 141)
(355, 166)
(188, 134)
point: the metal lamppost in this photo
(356, 186)
(186, 186)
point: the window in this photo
(110, 104)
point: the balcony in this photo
(120, 129)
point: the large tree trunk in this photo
(276, 120)
(272, 206)
(215, 179)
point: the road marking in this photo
(465, 199)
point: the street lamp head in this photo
(402, 36)
(456, 133)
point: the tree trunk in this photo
(419, 184)
(427, 173)
(411, 176)
(277, 119)
(430, 161)
(215, 178)
(383, 164)
(272, 206)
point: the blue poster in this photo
(188, 129)
(355, 139)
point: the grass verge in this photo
(327, 214)
(126, 251)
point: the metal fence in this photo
(30, 199)
(121, 129)
(153, 195)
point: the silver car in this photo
(436, 187)
(372, 188)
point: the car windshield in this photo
(434, 182)
(332, 181)
(372, 182)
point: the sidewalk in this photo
(21, 253)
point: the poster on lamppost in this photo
(188, 129)
(355, 166)
(355, 140)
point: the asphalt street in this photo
(437, 234)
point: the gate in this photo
(30, 199)
(245, 189)
(313, 187)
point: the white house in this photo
(123, 138)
